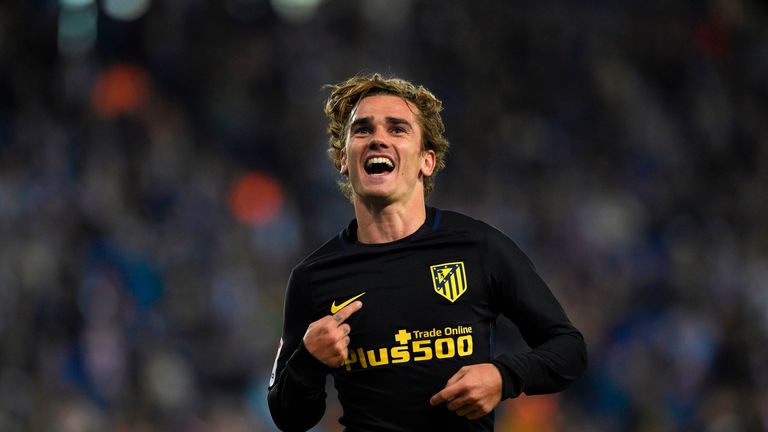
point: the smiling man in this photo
(419, 355)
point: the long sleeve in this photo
(297, 387)
(559, 354)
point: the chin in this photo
(373, 196)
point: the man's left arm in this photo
(558, 355)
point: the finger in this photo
(345, 329)
(437, 398)
(342, 347)
(464, 410)
(348, 310)
(456, 377)
(450, 391)
(457, 403)
(443, 395)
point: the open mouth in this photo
(379, 165)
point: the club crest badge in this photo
(449, 280)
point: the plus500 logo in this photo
(413, 350)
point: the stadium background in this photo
(162, 167)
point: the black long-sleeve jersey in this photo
(429, 304)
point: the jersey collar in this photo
(348, 236)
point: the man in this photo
(418, 355)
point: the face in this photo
(383, 157)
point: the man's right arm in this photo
(297, 386)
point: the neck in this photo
(389, 222)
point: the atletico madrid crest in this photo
(449, 280)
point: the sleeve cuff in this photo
(511, 384)
(305, 368)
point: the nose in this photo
(377, 139)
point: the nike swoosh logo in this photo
(335, 308)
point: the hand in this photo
(473, 391)
(327, 339)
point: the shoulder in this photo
(493, 239)
(458, 222)
(332, 248)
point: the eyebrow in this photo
(390, 120)
(399, 121)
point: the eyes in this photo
(361, 130)
(367, 130)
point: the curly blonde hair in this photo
(345, 96)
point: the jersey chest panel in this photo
(420, 304)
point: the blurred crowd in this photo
(161, 171)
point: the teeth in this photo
(379, 159)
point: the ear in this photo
(428, 162)
(343, 168)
